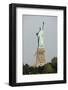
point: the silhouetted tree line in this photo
(47, 68)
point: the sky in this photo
(31, 24)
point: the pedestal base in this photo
(40, 57)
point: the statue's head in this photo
(39, 29)
(43, 22)
(43, 26)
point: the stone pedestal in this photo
(40, 57)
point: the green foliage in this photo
(54, 63)
(47, 68)
(26, 69)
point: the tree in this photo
(26, 69)
(48, 68)
(54, 63)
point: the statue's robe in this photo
(41, 39)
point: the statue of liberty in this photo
(40, 56)
(40, 36)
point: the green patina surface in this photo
(41, 39)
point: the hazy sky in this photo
(31, 24)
